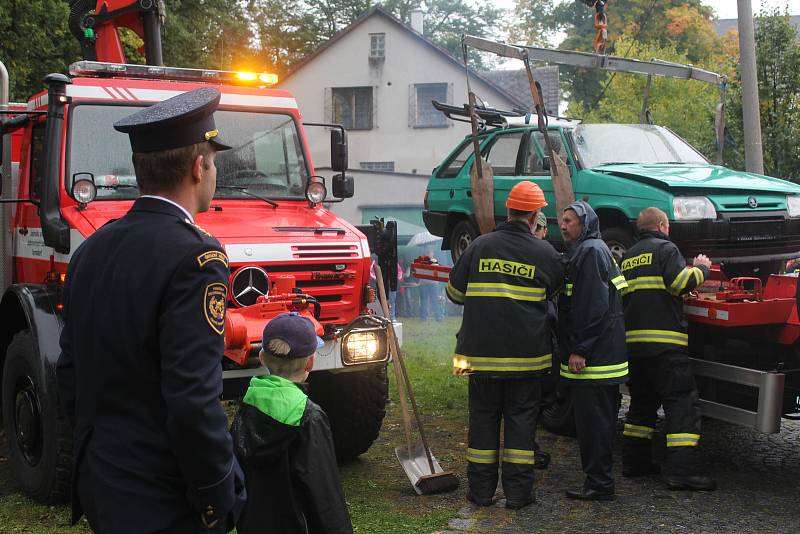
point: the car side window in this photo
(537, 162)
(502, 154)
(453, 167)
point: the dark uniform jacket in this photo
(140, 372)
(657, 275)
(504, 280)
(283, 441)
(591, 322)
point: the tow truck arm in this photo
(96, 25)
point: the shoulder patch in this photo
(214, 306)
(212, 255)
(197, 227)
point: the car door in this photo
(536, 168)
(504, 156)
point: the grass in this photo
(379, 496)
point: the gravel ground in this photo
(758, 478)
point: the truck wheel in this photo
(463, 233)
(356, 405)
(39, 439)
(557, 417)
(619, 240)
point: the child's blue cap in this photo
(296, 331)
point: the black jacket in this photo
(140, 372)
(289, 461)
(657, 276)
(591, 322)
(504, 280)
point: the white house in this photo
(378, 77)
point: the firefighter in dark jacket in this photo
(657, 340)
(592, 343)
(140, 372)
(283, 441)
(504, 280)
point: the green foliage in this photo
(34, 41)
(778, 64)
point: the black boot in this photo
(690, 482)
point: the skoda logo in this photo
(752, 202)
(248, 284)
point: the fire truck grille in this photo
(325, 251)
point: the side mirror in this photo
(338, 150)
(342, 186)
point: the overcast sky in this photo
(726, 9)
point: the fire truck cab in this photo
(66, 172)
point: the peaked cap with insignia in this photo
(183, 120)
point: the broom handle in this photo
(401, 389)
(398, 360)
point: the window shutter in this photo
(450, 101)
(412, 105)
(328, 104)
(374, 106)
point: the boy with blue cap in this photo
(283, 440)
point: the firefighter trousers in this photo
(596, 409)
(663, 380)
(515, 402)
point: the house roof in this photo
(377, 9)
(722, 26)
(516, 83)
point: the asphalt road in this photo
(758, 479)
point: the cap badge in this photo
(211, 134)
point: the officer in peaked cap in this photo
(140, 369)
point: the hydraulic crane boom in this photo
(96, 25)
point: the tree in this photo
(778, 64)
(34, 41)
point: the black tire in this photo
(619, 239)
(356, 405)
(463, 233)
(39, 438)
(557, 416)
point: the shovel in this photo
(417, 460)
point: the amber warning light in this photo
(102, 69)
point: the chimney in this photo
(417, 21)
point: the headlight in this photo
(693, 208)
(793, 205)
(84, 191)
(316, 192)
(364, 346)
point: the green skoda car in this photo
(747, 222)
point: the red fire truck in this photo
(67, 172)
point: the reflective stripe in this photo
(518, 456)
(490, 289)
(679, 284)
(568, 289)
(644, 282)
(596, 372)
(489, 363)
(635, 431)
(683, 440)
(454, 293)
(657, 336)
(619, 282)
(482, 456)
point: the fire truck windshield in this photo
(266, 159)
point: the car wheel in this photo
(619, 240)
(39, 438)
(464, 233)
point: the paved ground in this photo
(759, 490)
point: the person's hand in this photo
(576, 363)
(702, 259)
(791, 264)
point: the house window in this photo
(377, 45)
(426, 116)
(352, 107)
(384, 166)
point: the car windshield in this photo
(606, 144)
(266, 159)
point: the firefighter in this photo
(144, 310)
(503, 280)
(657, 340)
(592, 344)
